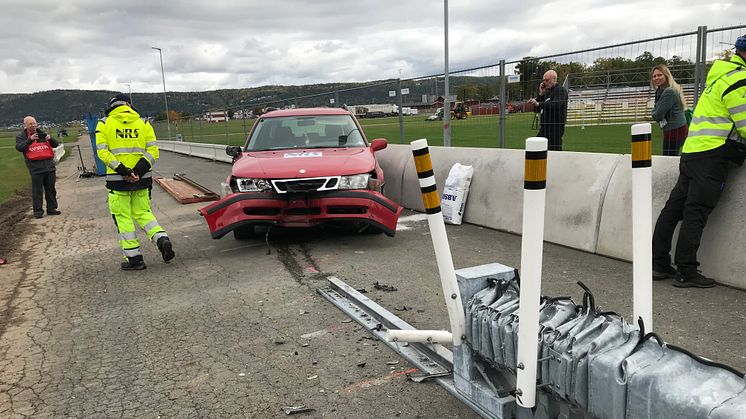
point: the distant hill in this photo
(59, 106)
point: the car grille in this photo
(305, 185)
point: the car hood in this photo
(304, 163)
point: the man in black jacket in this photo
(38, 151)
(552, 105)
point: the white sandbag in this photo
(59, 152)
(455, 192)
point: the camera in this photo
(42, 135)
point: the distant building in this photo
(219, 116)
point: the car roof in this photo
(306, 112)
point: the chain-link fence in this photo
(609, 88)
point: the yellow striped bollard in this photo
(532, 246)
(431, 199)
(642, 223)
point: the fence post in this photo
(245, 114)
(446, 93)
(503, 108)
(226, 126)
(191, 128)
(401, 111)
(701, 61)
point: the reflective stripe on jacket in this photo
(721, 109)
(122, 137)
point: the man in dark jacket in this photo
(38, 150)
(552, 105)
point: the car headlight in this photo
(354, 181)
(252, 185)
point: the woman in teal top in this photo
(669, 109)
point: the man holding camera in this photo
(552, 106)
(38, 151)
(716, 138)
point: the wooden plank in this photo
(184, 192)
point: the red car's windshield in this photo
(317, 131)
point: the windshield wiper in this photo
(343, 138)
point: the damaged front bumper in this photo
(301, 210)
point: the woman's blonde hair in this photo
(670, 82)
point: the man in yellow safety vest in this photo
(716, 137)
(126, 145)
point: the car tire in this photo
(244, 233)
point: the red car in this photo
(302, 168)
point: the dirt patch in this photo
(12, 224)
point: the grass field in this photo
(12, 167)
(477, 131)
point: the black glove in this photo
(142, 167)
(734, 151)
(123, 171)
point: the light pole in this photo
(165, 98)
(129, 91)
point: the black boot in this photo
(134, 263)
(164, 245)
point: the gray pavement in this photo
(228, 330)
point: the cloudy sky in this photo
(214, 44)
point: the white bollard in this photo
(532, 245)
(426, 336)
(642, 223)
(431, 199)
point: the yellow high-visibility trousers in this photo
(128, 208)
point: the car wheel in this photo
(244, 233)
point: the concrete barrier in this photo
(615, 231)
(392, 160)
(589, 198)
(574, 197)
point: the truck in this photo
(381, 110)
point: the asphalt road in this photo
(236, 329)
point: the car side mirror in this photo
(378, 144)
(233, 151)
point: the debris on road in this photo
(419, 377)
(384, 287)
(291, 410)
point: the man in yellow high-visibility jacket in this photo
(716, 138)
(126, 144)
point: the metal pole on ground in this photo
(642, 222)
(431, 199)
(532, 245)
